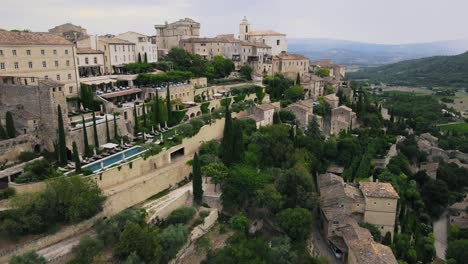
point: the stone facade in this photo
(90, 62)
(277, 41)
(39, 55)
(290, 65)
(168, 35)
(303, 110)
(342, 118)
(262, 114)
(70, 32)
(144, 45)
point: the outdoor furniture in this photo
(62, 169)
(118, 149)
(105, 154)
(157, 142)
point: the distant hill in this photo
(448, 71)
(361, 54)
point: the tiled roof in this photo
(345, 108)
(265, 33)
(114, 40)
(255, 44)
(88, 51)
(265, 107)
(290, 56)
(370, 252)
(31, 38)
(378, 190)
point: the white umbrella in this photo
(102, 165)
(159, 126)
(152, 129)
(165, 123)
(123, 155)
(95, 153)
(161, 137)
(175, 132)
(144, 136)
(121, 142)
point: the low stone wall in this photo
(11, 148)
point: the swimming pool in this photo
(111, 160)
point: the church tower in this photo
(244, 28)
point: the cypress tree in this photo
(387, 240)
(156, 112)
(145, 125)
(227, 142)
(238, 143)
(197, 180)
(169, 106)
(96, 139)
(298, 79)
(76, 158)
(3, 134)
(139, 57)
(107, 130)
(116, 132)
(61, 138)
(87, 150)
(146, 58)
(10, 125)
(135, 117)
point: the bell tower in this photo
(244, 28)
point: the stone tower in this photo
(244, 28)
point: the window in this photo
(86, 60)
(44, 64)
(30, 65)
(16, 65)
(56, 63)
(335, 222)
(55, 52)
(105, 47)
(68, 63)
(42, 52)
(388, 203)
(47, 77)
(277, 42)
(115, 48)
(123, 48)
(66, 52)
(70, 89)
(60, 89)
(95, 60)
(2, 65)
(69, 76)
(125, 115)
(53, 89)
(14, 52)
(125, 58)
(1, 52)
(28, 52)
(58, 77)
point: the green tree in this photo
(116, 131)
(313, 129)
(374, 231)
(281, 251)
(76, 158)
(227, 143)
(61, 138)
(222, 66)
(96, 138)
(197, 180)
(240, 223)
(107, 130)
(28, 258)
(136, 125)
(145, 124)
(156, 112)
(238, 142)
(146, 58)
(133, 259)
(87, 249)
(296, 222)
(246, 72)
(217, 171)
(172, 238)
(142, 240)
(298, 79)
(458, 250)
(169, 106)
(323, 72)
(180, 216)
(139, 57)
(387, 240)
(10, 125)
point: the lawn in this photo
(463, 127)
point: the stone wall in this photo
(11, 148)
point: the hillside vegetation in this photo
(445, 71)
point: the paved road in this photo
(440, 235)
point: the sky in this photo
(375, 21)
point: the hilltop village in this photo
(177, 148)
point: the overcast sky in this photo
(377, 21)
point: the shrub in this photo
(87, 249)
(180, 216)
(27, 156)
(28, 258)
(240, 223)
(7, 193)
(172, 239)
(296, 222)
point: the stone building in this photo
(90, 62)
(277, 41)
(342, 118)
(290, 65)
(304, 111)
(70, 32)
(117, 52)
(34, 103)
(39, 55)
(262, 114)
(332, 100)
(343, 206)
(145, 45)
(313, 86)
(168, 36)
(207, 48)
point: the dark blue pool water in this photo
(96, 166)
